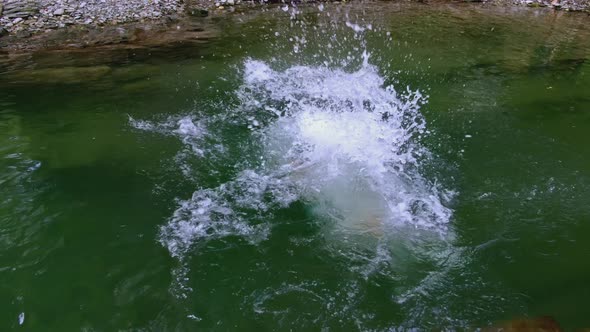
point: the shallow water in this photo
(336, 167)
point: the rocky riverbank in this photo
(26, 17)
(55, 24)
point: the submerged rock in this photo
(65, 75)
(135, 72)
(539, 324)
(140, 86)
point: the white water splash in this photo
(341, 142)
(187, 128)
(225, 210)
(344, 138)
(358, 28)
(328, 136)
(191, 131)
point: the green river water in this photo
(268, 180)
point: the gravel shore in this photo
(26, 17)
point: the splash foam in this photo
(342, 143)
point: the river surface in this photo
(330, 167)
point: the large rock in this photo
(20, 8)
